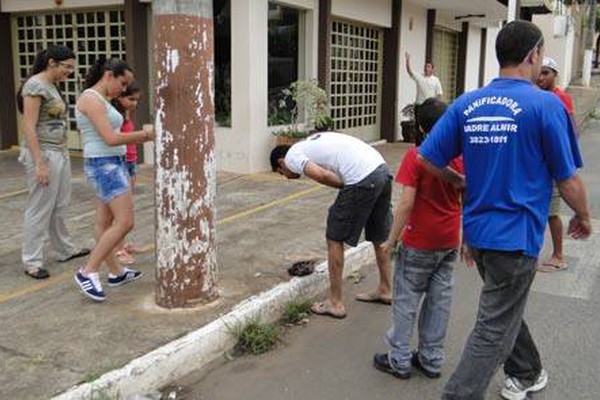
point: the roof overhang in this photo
(480, 12)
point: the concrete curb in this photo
(195, 350)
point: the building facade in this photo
(354, 48)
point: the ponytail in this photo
(40, 64)
(96, 71)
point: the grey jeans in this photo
(500, 334)
(428, 274)
(46, 209)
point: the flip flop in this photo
(325, 309)
(373, 297)
(552, 267)
(40, 273)
(302, 268)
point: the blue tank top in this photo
(93, 144)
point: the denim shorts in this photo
(131, 168)
(108, 176)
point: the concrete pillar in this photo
(186, 264)
(513, 10)
(249, 58)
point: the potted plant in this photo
(309, 110)
(408, 124)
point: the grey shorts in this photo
(365, 205)
(555, 201)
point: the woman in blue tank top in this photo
(104, 153)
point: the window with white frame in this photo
(90, 34)
(355, 75)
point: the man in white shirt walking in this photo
(364, 201)
(428, 85)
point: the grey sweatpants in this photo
(46, 208)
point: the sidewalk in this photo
(53, 338)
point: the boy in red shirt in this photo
(547, 81)
(428, 216)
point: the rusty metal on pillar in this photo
(186, 267)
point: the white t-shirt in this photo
(427, 87)
(348, 157)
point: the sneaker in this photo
(128, 275)
(514, 390)
(90, 286)
(382, 363)
(416, 362)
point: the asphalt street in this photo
(332, 360)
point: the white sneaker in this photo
(514, 390)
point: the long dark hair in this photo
(132, 88)
(40, 63)
(117, 66)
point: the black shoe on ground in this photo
(382, 363)
(415, 362)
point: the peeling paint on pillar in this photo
(185, 173)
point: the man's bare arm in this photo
(447, 174)
(323, 176)
(408, 67)
(573, 193)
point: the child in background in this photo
(126, 105)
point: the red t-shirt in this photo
(131, 154)
(434, 223)
(566, 100)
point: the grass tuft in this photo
(296, 311)
(256, 337)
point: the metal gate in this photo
(355, 89)
(90, 34)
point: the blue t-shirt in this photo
(515, 139)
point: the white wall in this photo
(374, 12)
(473, 57)
(414, 41)
(559, 48)
(249, 22)
(492, 68)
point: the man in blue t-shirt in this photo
(515, 140)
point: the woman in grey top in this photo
(45, 156)
(104, 153)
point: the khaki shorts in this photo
(555, 201)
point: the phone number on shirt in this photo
(487, 139)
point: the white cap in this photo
(550, 63)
